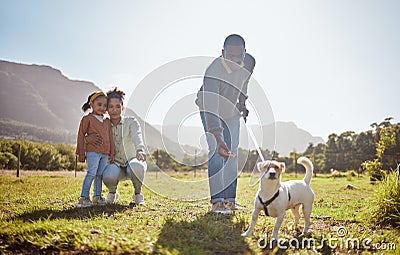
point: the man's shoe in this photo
(139, 199)
(234, 206)
(112, 197)
(84, 202)
(99, 200)
(219, 207)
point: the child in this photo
(96, 155)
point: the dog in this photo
(275, 197)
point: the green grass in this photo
(38, 216)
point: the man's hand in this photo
(223, 150)
(245, 113)
(94, 139)
(140, 155)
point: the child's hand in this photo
(112, 159)
(81, 158)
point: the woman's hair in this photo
(91, 99)
(115, 93)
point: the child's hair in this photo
(91, 99)
(115, 93)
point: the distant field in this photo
(38, 216)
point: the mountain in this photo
(39, 103)
(283, 137)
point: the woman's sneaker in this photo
(84, 202)
(112, 197)
(219, 207)
(99, 200)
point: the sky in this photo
(328, 66)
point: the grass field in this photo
(38, 216)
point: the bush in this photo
(352, 173)
(387, 209)
(374, 169)
(8, 160)
(37, 156)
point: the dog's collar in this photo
(268, 202)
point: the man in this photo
(221, 101)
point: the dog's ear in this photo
(282, 166)
(260, 166)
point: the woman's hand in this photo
(94, 139)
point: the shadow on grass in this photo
(71, 213)
(24, 247)
(207, 234)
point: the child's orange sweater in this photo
(91, 125)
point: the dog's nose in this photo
(272, 175)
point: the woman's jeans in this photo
(222, 173)
(95, 163)
(135, 171)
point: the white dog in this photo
(275, 197)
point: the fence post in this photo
(19, 159)
(315, 165)
(157, 167)
(295, 162)
(195, 162)
(76, 164)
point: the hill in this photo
(41, 96)
(283, 137)
(39, 103)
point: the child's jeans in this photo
(96, 163)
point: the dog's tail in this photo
(309, 168)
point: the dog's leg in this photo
(253, 222)
(307, 217)
(278, 224)
(296, 214)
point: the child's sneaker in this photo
(98, 200)
(84, 202)
(112, 197)
(139, 199)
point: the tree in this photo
(387, 134)
(345, 150)
(364, 147)
(331, 152)
(163, 159)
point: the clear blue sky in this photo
(329, 66)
